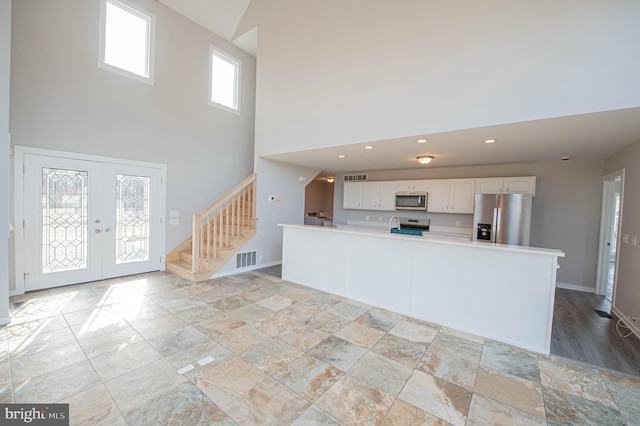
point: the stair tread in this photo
(180, 264)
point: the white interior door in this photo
(609, 234)
(88, 220)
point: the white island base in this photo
(505, 293)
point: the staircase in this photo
(218, 233)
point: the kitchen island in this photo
(496, 291)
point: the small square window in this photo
(126, 40)
(224, 80)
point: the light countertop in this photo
(435, 237)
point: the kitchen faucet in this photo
(397, 222)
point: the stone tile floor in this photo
(154, 349)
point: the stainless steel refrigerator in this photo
(502, 218)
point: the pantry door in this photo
(89, 220)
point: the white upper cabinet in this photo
(387, 196)
(520, 185)
(369, 196)
(411, 186)
(444, 195)
(352, 195)
(438, 199)
(489, 186)
(451, 196)
(462, 195)
(508, 185)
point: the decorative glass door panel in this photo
(132, 218)
(65, 216)
(86, 220)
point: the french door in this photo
(89, 220)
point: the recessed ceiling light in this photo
(490, 141)
(341, 156)
(368, 147)
(421, 141)
(426, 159)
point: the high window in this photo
(126, 40)
(224, 80)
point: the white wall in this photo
(281, 181)
(627, 293)
(5, 67)
(565, 213)
(335, 73)
(61, 100)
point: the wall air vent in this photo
(245, 259)
(355, 178)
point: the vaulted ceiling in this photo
(584, 137)
(219, 16)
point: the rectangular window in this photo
(126, 40)
(224, 80)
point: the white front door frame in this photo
(19, 214)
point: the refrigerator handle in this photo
(497, 213)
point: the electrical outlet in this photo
(457, 223)
(634, 241)
(625, 238)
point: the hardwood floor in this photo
(582, 335)
(272, 271)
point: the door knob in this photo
(98, 231)
(107, 229)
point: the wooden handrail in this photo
(214, 227)
(228, 195)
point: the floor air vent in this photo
(245, 259)
(355, 178)
(603, 314)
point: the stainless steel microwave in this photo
(411, 201)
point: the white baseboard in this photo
(576, 287)
(246, 269)
(633, 326)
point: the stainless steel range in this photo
(409, 226)
(414, 224)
